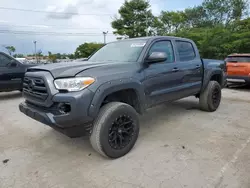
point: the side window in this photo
(4, 60)
(185, 50)
(163, 46)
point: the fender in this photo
(113, 86)
(209, 74)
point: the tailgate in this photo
(238, 66)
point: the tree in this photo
(172, 21)
(240, 37)
(219, 41)
(10, 49)
(86, 49)
(52, 57)
(217, 26)
(18, 55)
(39, 53)
(196, 17)
(135, 20)
(71, 56)
(225, 11)
(58, 56)
(64, 56)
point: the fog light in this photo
(64, 108)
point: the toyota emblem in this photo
(31, 84)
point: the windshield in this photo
(235, 59)
(127, 50)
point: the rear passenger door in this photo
(190, 67)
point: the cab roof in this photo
(155, 37)
(150, 38)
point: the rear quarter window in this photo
(185, 50)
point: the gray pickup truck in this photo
(103, 96)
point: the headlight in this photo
(73, 84)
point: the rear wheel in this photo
(210, 98)
(115, 130)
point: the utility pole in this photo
(104, 35)
(35, 51)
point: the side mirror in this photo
(157, 57)
(13, 63)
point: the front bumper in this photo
(238, 79)
(73, 124)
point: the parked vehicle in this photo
(11, 73)
(21, 59)
(238, 68)
(104, 95)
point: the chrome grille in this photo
(35, 88)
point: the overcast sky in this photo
(91, 24)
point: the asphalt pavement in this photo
(179, 146)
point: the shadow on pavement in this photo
(162, 113)
(240, 87)
(10, 95)
(152, 119)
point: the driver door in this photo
(161, 78)
(10, 73)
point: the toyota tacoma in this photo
(102, 97)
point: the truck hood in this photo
(68, 69)
(29, 65)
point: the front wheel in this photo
(115, 130)
(210, 98)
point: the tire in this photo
(115, 121)
(210, 98)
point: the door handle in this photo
(175, 69)
(198, 66)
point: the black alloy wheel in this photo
(115, 130)
(210, 98)
(121, 132)
(216, 96)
